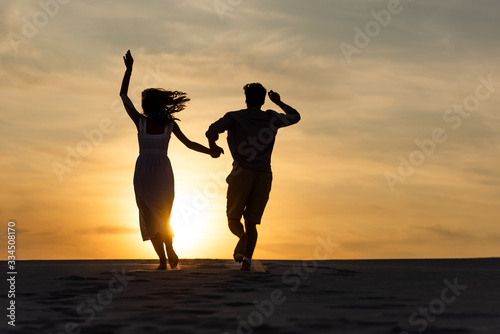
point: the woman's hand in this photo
(129, 61)
(216, 151)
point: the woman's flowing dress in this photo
(154, 182)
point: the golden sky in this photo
(396, 155)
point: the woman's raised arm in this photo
(129, 106)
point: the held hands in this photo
(275, 97)
(129, 61)
(216, 151)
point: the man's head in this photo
(255, 94)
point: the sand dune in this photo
(214, 296)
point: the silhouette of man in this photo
(251, 136)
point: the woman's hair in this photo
(161, 103)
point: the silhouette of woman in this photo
(153, 176)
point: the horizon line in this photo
(367, 259)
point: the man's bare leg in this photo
(237, 229)
(251, 231)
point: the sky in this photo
(396, 154)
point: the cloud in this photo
(446, 233)
(100, 230)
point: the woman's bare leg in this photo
(157, 242)
(173, 259)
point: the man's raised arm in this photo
(291, 116)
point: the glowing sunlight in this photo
(189, 224)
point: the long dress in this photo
(154, 182)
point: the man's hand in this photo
(129, 61)
(216, 151)
(275, 97)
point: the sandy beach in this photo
(214, 296)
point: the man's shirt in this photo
(251, 134)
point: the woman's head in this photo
(161, 103)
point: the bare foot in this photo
(173, 263)
(238, 257)
(173, 259)
(162, 266)
(246, 264)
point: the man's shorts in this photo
(247, 194)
